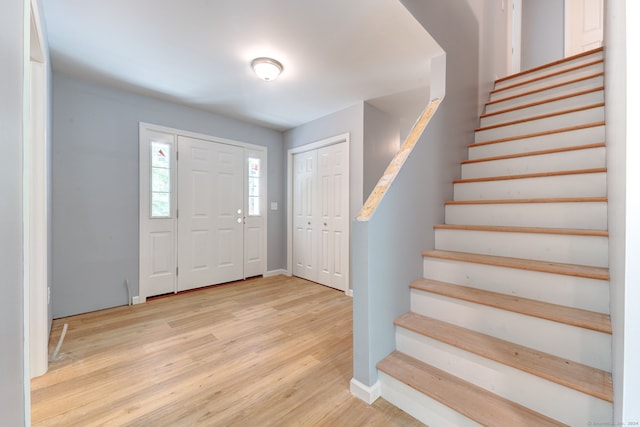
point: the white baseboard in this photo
(363, 392)
(279, 272)
(349, 292)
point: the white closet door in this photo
(305, 215)
(210, 220)
(321, 215)
(333, 191)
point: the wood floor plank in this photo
(267, 351)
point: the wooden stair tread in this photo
(544, 101)
(535, 134)
(542, 116)
(531, 230)
(535, 153)
(539, 200)
(546, 76)
(531, 175)
(599, 273)
(542, 89)
(468, 399)
(550, 64)
(594, 321)
(586, 379)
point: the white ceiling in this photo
(197, 52)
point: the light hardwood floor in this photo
(261, 352)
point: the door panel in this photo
(304, 240)
(210, 196)
(584, 25)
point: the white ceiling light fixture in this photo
(267, 69)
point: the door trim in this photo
(337, 139)
(143, 126)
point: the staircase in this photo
(510, 325)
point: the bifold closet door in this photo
(320, 215)
(210, 216)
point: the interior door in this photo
(333, 192)
(210, 217)
(584, 25)
(304, 215)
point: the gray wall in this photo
(95, 187)
(542, 34)
(387, 250)
(12, 376)
(348, 120)
(381, 143)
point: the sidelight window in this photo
(254, 186)
(160, 180)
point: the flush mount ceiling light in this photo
(266, 68)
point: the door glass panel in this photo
(160, 180)
(253, 192)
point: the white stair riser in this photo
(571, 291)
(570, 342)
(420, 406)
(590, 135)
(549, 70)
(579, 215)
(590, 82)
(567, 249)
(583, 117)
(539, 84)
(543, 396)
(553, 162)
(546, 108)
(575, 185)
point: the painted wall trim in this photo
(279, 272)
(363, 392)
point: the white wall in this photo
(13, 379)
(95, 187)
(623, 156)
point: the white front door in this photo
(584, 25)
(304, 215)
(210, 220)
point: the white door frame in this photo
(143, 292)
(345, 137)
(36, 182)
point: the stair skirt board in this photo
(570, 291)
(582, 250)
(564, 88)
(580, 345)
(588, 158)
(591, 133)
(545, 397)
(421, 406)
